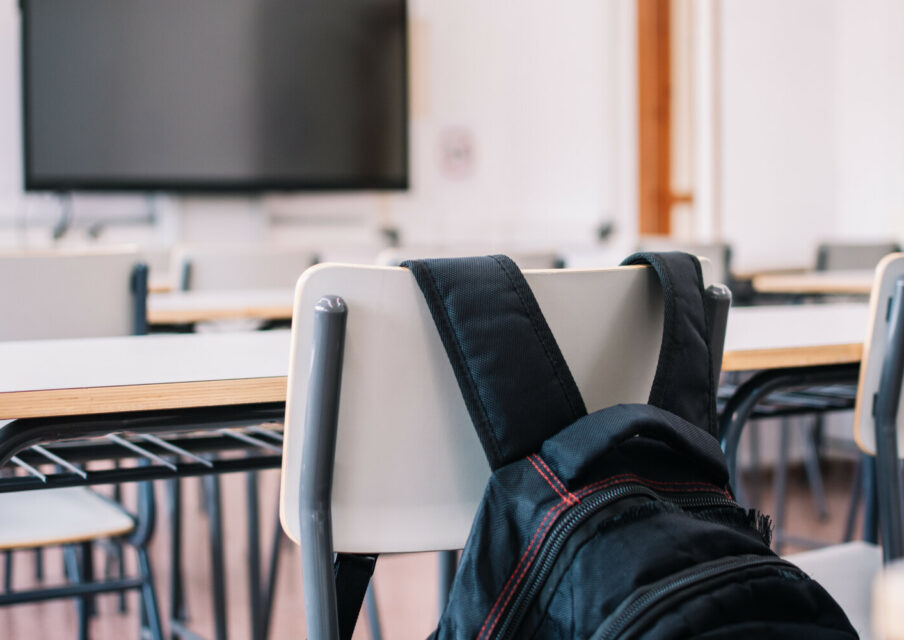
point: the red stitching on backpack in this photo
(556, 510)
(567, 496)
(537, 537)
(573, 497)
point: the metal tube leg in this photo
(8, 571)
(254, 555)
(448, 564)
(373, 614)
(870, 501)
(755, 495)
(854, 502)
(87, 556)
(811, 465)
(149, 596)
(275, 548)
(70, 557)
(215, 519)
(39, 565)
(781, 484)
(177, 595)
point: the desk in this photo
(790, 346)
(187, 307)
(772, 337)
(859, 282)
(141, 373)
(147, 385)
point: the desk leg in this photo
(740, 406)
(254, 555)
(215, 518)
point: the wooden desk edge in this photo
(757, 359)
(143, 397)
(188, 316)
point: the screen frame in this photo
(202, 186)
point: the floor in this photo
(406, 595)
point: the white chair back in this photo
(848, 256)
(889, 271)
(67, 295)
(230, 267)
(409, 470)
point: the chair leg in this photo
(275, 548)
(149, 595)
(177, 609)
(39, 565)
(373, 614)
(86, 552)
(448, 565)
(850, 520)
(871, 500)
(781, 482)
(215, 519)
(811, 465)
(254, 555)
(755, 494)
(74, 571)
(8, 571)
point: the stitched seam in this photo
(555, 477)
(463, 364)
(568, 498)
(542, 338)
(541, 531)
(554, 511)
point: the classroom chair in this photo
(368, 330)
(847, 570)
(71, 295)
(846, 256)
(240, 266)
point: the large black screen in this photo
(214, 94)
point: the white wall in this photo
(543, 92)
(778, 144)
(812, 136)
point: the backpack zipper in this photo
(556, 539)
(623, 620)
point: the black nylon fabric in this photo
(684, 383)
(515, 382)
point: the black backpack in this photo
(614, 524)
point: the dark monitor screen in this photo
(215, 94)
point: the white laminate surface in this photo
(788, 326)
(58, 516)
(139, 360)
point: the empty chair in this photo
(71, 295)
(409, 470)
(846, 256)
(247, 266)
(524, 258)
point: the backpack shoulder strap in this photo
(515, 382)
(684, 383)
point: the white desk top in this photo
(794, 335)
(98, 375)
(180, 307)
(859, 282)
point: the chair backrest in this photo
(69, 295)
(525, 258)
(875, 347)
(244, 266)
(410, 471)
(846, 256)
(718, 253)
